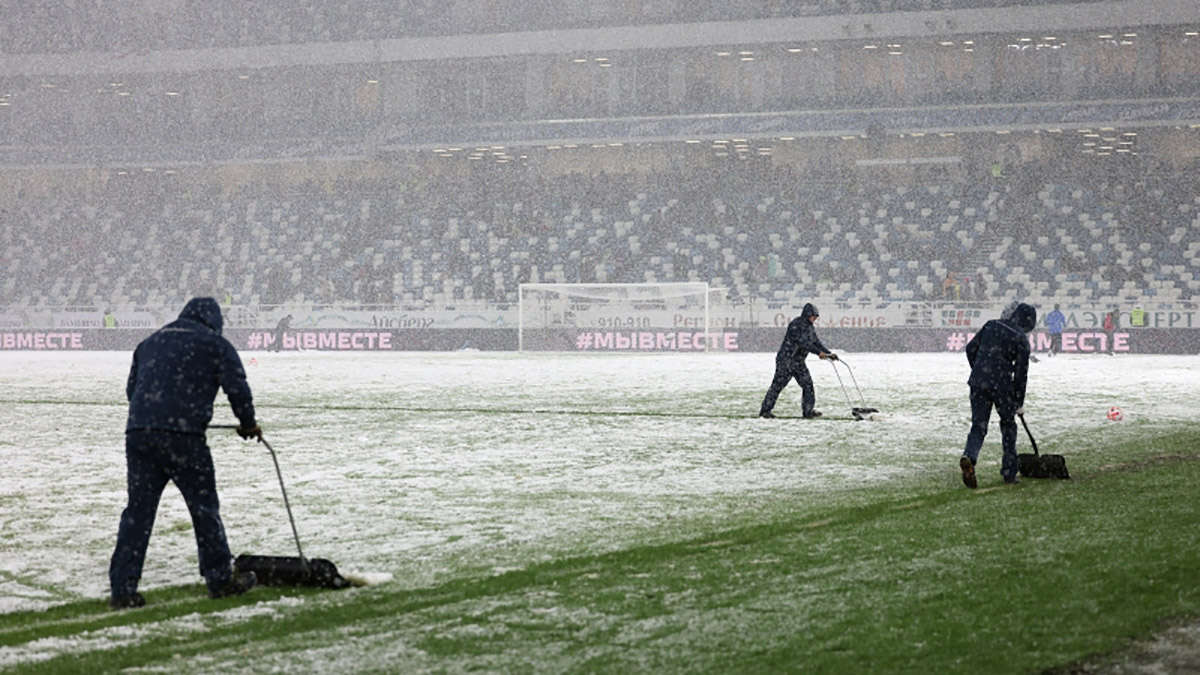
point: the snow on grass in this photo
(420, 467)
(113, 637)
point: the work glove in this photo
(832, 356)
(1020, 410)
(253, 432)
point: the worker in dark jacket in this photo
(999, 358)
(800, 339)
(280, 329)
(172, 384)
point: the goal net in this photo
(672, 317)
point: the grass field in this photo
(614, 513)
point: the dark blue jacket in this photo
(177, 370)
(1055, 322)
(999, 353)
(801, 338)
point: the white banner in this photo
(884, 315)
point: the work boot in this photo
(126, 601)
(1012, 480)
(767, 414)
(968, 472)
(237, 584)
(812, 414)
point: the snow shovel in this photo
(860, 412)
(272, 570)
(1037, 465)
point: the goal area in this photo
(664, 317)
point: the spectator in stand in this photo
(950, 287)
(1055, 322)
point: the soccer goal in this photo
(669, 317)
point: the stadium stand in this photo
(962, 165)
(444, 243)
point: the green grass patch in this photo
(996, 580)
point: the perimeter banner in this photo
(894, 340)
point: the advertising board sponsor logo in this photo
(401, 321)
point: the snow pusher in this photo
(273, 570)
(862, 412)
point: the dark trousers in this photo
(785, 371)
(1055, 343)
(982, 401)
(152, 459)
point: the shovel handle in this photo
(1029, 434)
(286, 504)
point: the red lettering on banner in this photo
(326, 341)
(604, 340)
(731, 344)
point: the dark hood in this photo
(205, 311)
(809, 310)
(1025, 316)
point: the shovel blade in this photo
(274, 570)
(1042, 466)
(863, 413)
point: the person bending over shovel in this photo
(999, 358)
(800, 339)
(171, 388)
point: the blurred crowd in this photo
(767, 235)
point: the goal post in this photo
(645, 317)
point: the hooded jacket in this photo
(999, 353)
(801, 338)
(176, 373)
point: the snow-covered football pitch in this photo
(414, 468)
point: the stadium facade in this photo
(909, 164)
